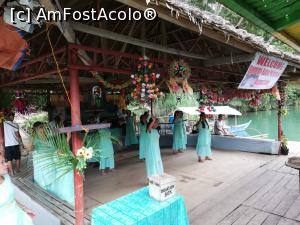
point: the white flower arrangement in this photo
(86, 153)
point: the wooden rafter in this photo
(134, 41)
(228, 60)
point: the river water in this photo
(266, 123)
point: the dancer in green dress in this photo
(130, 138)
(11, 212)
(142, 141)
(184, 129)
(203, 147)
(154, 164)
(179, 139)
(106, 148)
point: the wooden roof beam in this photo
(228, 60)
(165, 14)
(67, 31)
(131, 40)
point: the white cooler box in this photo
(162, 187)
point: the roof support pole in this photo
(76, 144)
(279, 120)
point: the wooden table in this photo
(294, 162)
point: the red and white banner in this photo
(263, 72)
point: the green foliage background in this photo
(214, 7)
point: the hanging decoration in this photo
(20, 103)
(207, 99)
(110, 85)
(179, 72)
(97, 95)
(145, 81)
(173, 86)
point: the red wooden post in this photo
(76, 144)
(279, 120)
(2, 144)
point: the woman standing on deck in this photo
(184, 129)
(130, 138)
(154, 164)
(106, 148)
(142, 141)
(179, 142)
(204, 139)
(11, 212)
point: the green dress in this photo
(179, 135)
(106, 149)
(50, 174)
(154, 164)
(10, 212)
(44, 173)
(142, 141)
(204, 141)
(130, 138)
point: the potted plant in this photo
(284, 149)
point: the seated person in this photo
(219, 126)
(11, 211)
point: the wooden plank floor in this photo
(269, 195)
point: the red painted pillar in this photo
(76, 144)
(279, 120)
(2, 144)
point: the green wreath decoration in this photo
(180, 69)
(110, 85)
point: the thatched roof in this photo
(201, 18)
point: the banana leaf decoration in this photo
(54, 157)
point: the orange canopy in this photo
(12, 46)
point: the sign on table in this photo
(263, 72)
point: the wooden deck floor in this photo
(268, 196)
(235, 188)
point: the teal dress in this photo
(50, 174)
(143, 139)
(92, 141)
(130, 138)
(184, 134)
(44, 173)
(154, 164)
(106, 150)
(204, 141)
(10, 212)
(179, 135)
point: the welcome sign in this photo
(263, 72)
